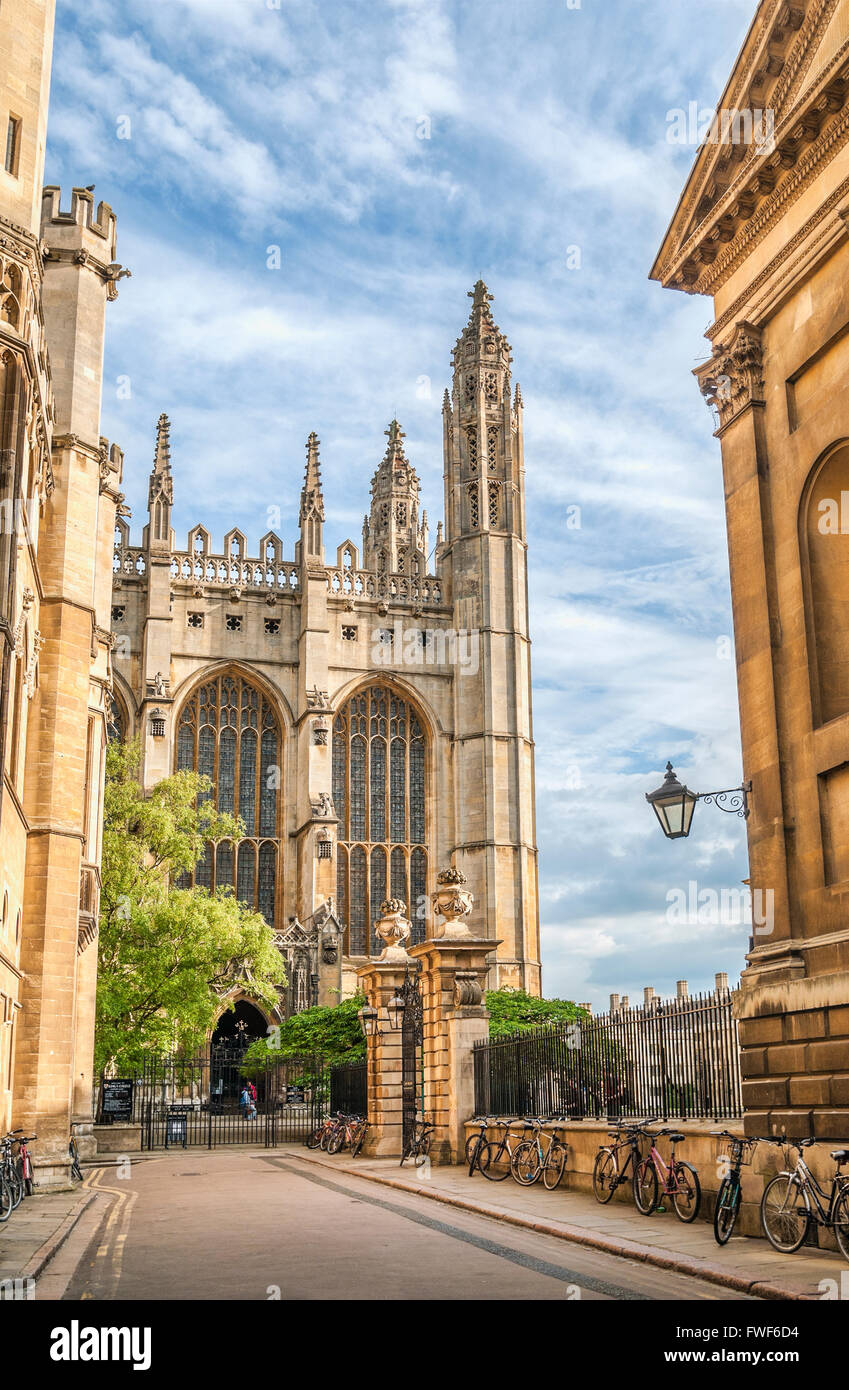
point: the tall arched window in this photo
(379, 793)
(229, 731)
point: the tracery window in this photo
(379, 795)
(474, 513)
(493, 504)
(472, 446)
(229, 731)
(492, 447)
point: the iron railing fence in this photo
(348, 1088)
(675, 1059)
(199, 1100)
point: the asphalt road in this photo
(266, 1226)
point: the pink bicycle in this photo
(679, 1180)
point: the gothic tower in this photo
(394, 541)
(484, 558)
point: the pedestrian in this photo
(245, 1102)
(252, 1089)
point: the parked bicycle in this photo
(729, 1197)
(494, 1157)
(654, 1178)
(418, 1146)
(15, 1171)
(76, 1170)
(608, 1172)
(793, 1199)
(531, 1161)
(349, 1132)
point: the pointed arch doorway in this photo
(233, 1034)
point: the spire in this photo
(162, 455)
(312, 505)
(160, 494)
(395, 447)
(392, 540)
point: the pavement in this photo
(292, 1224)
(745, 1265)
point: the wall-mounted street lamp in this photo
(368, 1021)
(674, 803)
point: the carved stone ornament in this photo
(453, 902)
(394, 930)
(468, 991)
(320, 730)
(733, 378)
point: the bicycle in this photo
(11, 1186)
(607, 1174)
(529, 1162)
(76, 1170)
(729, 1196)
(418, 1148)
(679, 1179)
(321, 1132)
(786, 1211)
(490, 1153)
(345, 1133)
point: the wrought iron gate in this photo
(411, 1043)
(181, 1101)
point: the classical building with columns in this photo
(763, 227)
(58, 494)
(367, 711)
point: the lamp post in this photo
(674, 804)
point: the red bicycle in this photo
(654, 1179)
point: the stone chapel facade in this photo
(367, 716)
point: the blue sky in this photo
(300, 127)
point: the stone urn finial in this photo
(394, 930)
(453, 902)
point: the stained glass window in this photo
(228, 731)
(374, 728)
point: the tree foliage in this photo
(167, 954)
(513, 1011)
(332, 1033)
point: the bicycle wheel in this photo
(359, 1140)
(726, 1209)
(336, 1140)
(491, 1164)
(604, 1176)
(688, 1194)
(15, 1179)
(471, 1144)
(841, 1221)
(525, 1164)
(785, 1213)
(645, 1186)
(313, 1141)
(422, 1150)
(554, 1166)
(5, 1199)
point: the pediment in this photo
(786, 94)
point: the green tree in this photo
(167, 954)
(513, 1011)
(332, 1033)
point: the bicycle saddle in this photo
(675, 1137)
(840, 1155)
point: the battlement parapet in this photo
(79, 225)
